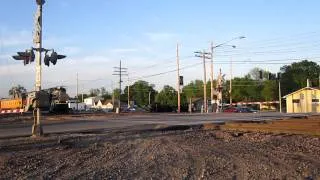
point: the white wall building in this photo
(92, 101)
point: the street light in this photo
(212, 48)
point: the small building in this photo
(92, 101)
(104, 105)
(305, 100)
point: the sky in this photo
(143, 34)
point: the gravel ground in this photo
(173, 154)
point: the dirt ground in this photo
(162, 154)
(309, 125)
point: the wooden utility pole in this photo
(128, 92)
(230, 85)
(77, 92)
(204, 84)
(204, 56)
(280, 103)
(178, 78)
(211, 75)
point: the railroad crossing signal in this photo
(53, 58)
(27, 56)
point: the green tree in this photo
(195, 89)
(244, 89)
(94, 92)
(17, 91)
(139, 93)
(295, 76)
(167, 97)
(270, 90)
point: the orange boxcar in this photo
(6, 104)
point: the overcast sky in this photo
(96, 34)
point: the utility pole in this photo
(112, 94)
(204, 56)
(128, 92)
(178, 78)
(280, 103)
(230, 85)
(120, 71)
(211, 75)
(77, 92)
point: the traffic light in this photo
(260, 74)
(181, 80)
(27, 56)
(278, 75)
(53, 58)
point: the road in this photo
(82, 123)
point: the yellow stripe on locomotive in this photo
(11, 104)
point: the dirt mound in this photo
(182, 154)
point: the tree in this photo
(244, 89)
(17, 91)
(295, 76)
(104, 93)
(255, 74)
(94, 92)
(167, 97)
(195, 89)
(270, 90)
(139, 93)
(80, 96)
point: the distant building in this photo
(72, 104)
(305, 100)
(92, 101)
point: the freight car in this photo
(53, 100)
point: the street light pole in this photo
(212, 49)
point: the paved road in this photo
(85, 123)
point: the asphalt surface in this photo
(81, 123)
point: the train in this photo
(53, 100)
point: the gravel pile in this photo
(189, 154)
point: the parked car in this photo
(246, 110)
(231, 110)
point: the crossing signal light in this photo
(278, 75)
(181, 80)
(27, 57)
(260, 74)
(53, 58)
